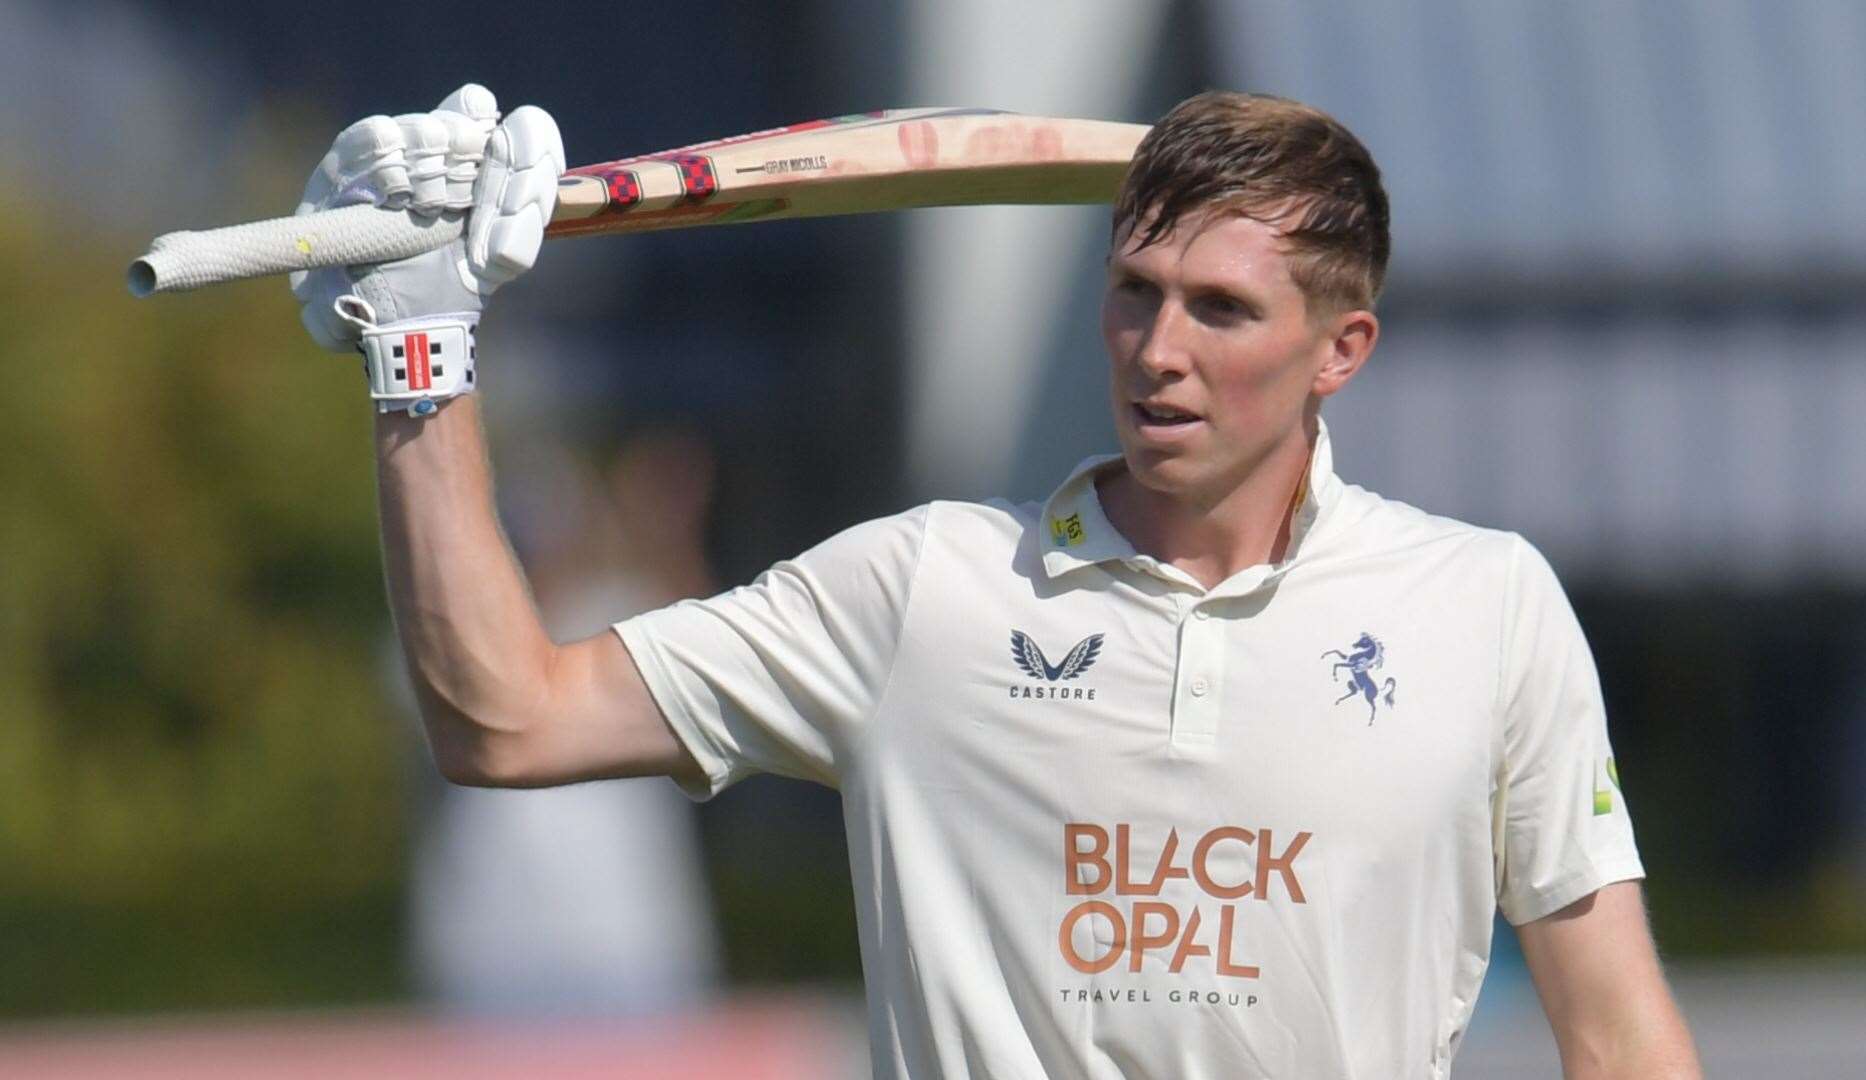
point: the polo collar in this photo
(1075, 532)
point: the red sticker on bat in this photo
(697, 179)
(624, 189)
(919, 144)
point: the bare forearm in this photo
(1598, 974)
(1655, 1045)
(468, 626)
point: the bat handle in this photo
(343, 237)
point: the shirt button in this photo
(1199, 686)
(1201, 614)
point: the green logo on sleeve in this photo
(1603, 797)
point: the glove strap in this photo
(413, 364)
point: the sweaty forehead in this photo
(1222, 247)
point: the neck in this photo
(1246, 524)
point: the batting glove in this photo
(414, 320)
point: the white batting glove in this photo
(414, 320)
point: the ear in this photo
(1347, 340)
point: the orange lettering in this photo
(1201, 871)
(1074, 859)
(1225, 966)
(1165, 868)
(1281, 864)
(1124, 885)
(1076, 914)
(1143, 940)
(1188, 945)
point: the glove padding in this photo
(456, 159)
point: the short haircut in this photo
(1276, 161)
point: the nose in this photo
(1162, 353)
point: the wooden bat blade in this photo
(890, 160)
(893, 160)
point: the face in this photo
(1214, 355)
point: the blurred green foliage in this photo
(1732, 739)
(192, 730)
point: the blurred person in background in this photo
(1250, 244)
(588, 898)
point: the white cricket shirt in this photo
(1105, 822)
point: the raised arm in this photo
(1598, 975)
(503, 705)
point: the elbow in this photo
(482, 763)
(471, 752)
(466, 769)
(1648, 1041)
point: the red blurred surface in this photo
(762, 1040)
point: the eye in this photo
(1129, 285)
(1222, 309)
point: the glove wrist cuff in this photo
(414, 364)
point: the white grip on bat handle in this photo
(348, 236)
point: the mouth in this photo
(1154, 416)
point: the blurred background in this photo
(1623, 319)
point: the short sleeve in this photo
(1560, 820)
(781, 675)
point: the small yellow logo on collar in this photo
(1067, 532)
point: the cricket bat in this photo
(895, 159)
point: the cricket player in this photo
(1209, 764)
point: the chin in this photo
(1162, 473)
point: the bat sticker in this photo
(779, 166)
(697, 179)
(624, 189)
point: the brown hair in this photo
(1277, 161)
